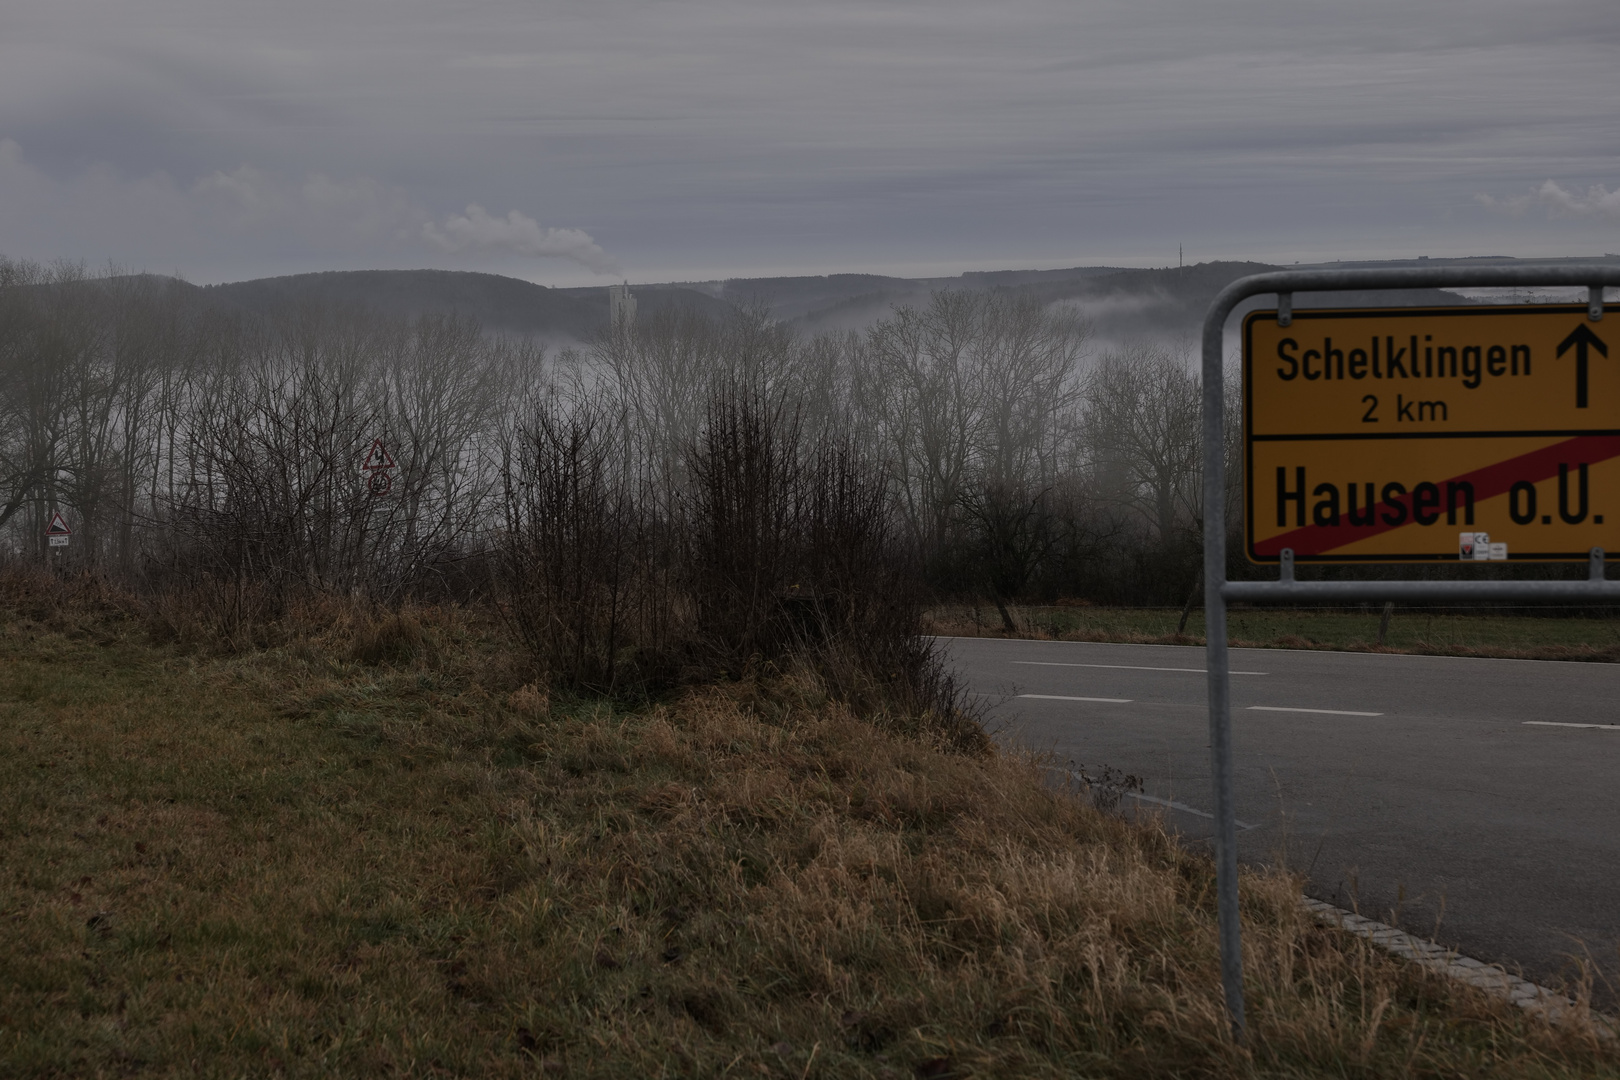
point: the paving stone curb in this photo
(1492, 979)
(1549, 1004)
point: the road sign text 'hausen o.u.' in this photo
(1424, 434)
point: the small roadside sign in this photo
(378, 461)
(57, 532)
(378, 457)
(1427, 434)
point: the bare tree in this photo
(1025, 361)
(1141, 428)
(437, 389)
(579, 557)
(971, 398)
(917, 385)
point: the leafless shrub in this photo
(746, 519)
(1106, 786)
(1011, 534)
(776, 549)
(794, 560)
(584, 560)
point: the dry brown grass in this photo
(342, 858)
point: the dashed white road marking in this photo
(1130, 667)
(1557, 723)
(1169, 803)
(1322, 712)
(1184, 808)
(1061, 697)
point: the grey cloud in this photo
(157, 217)
(1596, 201)
(716, 135)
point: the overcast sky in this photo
(578, 142)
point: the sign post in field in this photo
(1470, 433)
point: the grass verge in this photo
(1410, 630)
(376, 851)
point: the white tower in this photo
(621, 305)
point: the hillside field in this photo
(377, 848)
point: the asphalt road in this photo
(1438, 793)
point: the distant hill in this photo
(1121, 303)
(499, 303)
(803, 298)
(502, 304)
(854, 301)
(650, 300)
(1174, 300)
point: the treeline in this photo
(187, 443)
(1019, 465)
(194, 447)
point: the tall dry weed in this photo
(825, 883)
(47, 594)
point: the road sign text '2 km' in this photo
(1421, 434)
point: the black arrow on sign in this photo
(1581, 338)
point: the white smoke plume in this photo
(479, 230)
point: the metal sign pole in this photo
(1220, 716)
(1218, 591)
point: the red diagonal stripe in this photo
(1489, 481)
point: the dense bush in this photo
(768, 546)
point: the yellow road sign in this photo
(1420, 434)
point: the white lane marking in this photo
(1060, 697)
(1555, 723)
(1171, 803)
(1588, 664)
(1130, 667)
(1183, 807)
(1322, 712)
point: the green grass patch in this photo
(328, 859)
(1410, 630)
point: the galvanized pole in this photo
(1220, 717)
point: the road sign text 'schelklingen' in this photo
(1415, 434)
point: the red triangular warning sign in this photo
(378, 457)
(58, 525)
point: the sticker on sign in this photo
(1375, 435)
(1477, 546)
